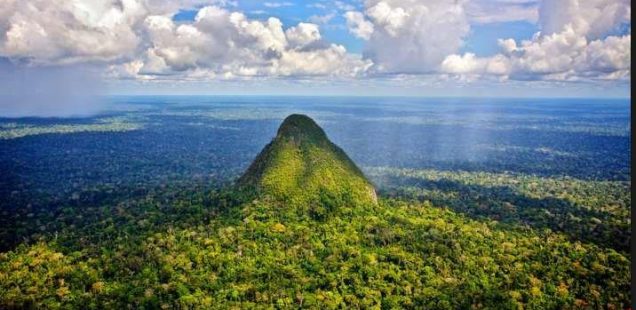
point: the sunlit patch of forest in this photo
(13, 130)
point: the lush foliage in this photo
(593, 211)
(301, 166)
(394, 254)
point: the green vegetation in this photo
(267, 254)
(593, 211)
(115, 124)
(301, 166)
(304, 229)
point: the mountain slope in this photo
(301, 166)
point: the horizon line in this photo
(366, 96)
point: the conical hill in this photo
(301, 166)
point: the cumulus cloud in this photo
(358, 25)
(414, 36)
(220, 43)
(576, 42)
(66, 31)
(331, 61)
(138, 39)
(590, 18)
(70, 31)
(470, 64)
(303, 34)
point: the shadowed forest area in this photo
(605, 225)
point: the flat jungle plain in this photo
(478, 203)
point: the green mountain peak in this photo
(301, 128)
(302, 166)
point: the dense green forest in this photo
(289, 237)
(594, 211)
(212, 250)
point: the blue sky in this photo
(526, 48)
(482, 39)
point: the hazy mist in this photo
(67, 91)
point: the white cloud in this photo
(322, 19)
(258, 12)
(507, 45)
(330, 61)
(138, 39)
(414, 36)
(303, 34)
(220, 43)
(391, 19)
(69, 31)
(611, 54)
(590, 18)
(575, 44)
(470, 64)
(358, 25)
(457, 64)
(277, 4)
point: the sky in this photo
(478, 48)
